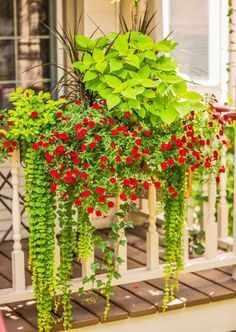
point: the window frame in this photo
(217, 41)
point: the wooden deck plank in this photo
(218, 277)
(14, 322)
(96, 304)
(131, 303)
(215, 291)
(4, 283)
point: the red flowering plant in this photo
(135, 124)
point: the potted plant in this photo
(130, 123)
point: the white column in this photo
(211, 226)
(205, 206)
(152, 244)
(222, 209)
(121, 251)
(18, 262)
(234, 212)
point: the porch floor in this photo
(131, 300)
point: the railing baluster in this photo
(211, 226)
(152, 245)
(18, 261)
(222, 209)
(121, 249)
(205, 206)
(234, 205)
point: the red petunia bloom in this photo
(101, 199)
(97, 138)
(103, 166)
(182, 152)
(147, 133)
(164, 165)
(127, 115)
(129, 160)
(81, 134)
(113, 145)
(90, 209)
(100, 190)
(35, 146)
(77, 202)
(123, 197)
(78, 126)
(111, 122)
(145, 185)
(59, 114)
(93, 145)
(86, 165)
(83, 147)
(181, 160)
(134, 197)
(55, 174)
(6, 144)
(34, 115)
(171, 189)
(59, 150)
(91, 124)
(126, 182)
(96, 106)
(110, 204)
(157, 184)
(138, 141)
(53, 187)
(112, 180)
(98, 213)
(85, 194)
(103, 159)
(146, 151)
(118, 159)
(84, 175)
(78, 102)
(170, 162)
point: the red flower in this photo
(90, 209)
(113, 145)
(96, 106)
(210, 124)
(84, 175)
(171, 189)
(6, 144)
(85, 194)
(100, 190)
(98, 213)
(76, 172)
(147, 133)
(55, 174)
(86, 165)
(120, 151)
(127, 115)
(81, 133)
(78, 126)
(129, 160)
(34, 115)
(103, 159)
(146, 151)
(92, 124)
(59, 114)
(97, 138)
(175, 194)
(76, 161)
(133, 197)
(207, 164)
(83, 147)
(93, 145)
(123, 196)
(181, 160)
(112, 170)
(170, 162)
(10, 123)
(114, 132)
(118, 159)
(112, 180)
(138, 141)
(78, 102)
(59, 150)
(110, 204)
(35, 146)
(182, 152)
(145, 185)
(103, 166)
(101, 199)
(164, 165)
(77, 202)
(126, 182)
(111, 122)
(53, 187)
(157, 184)
(73, 154)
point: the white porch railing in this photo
(215, 224)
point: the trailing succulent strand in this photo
(175, 213)
(67, 240)
(40, 204)
(85, 243)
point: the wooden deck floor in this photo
(136, 299)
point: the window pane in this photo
(31, 15)
(5, 89)
(6, 19)
(189, 23)
(7, 60)
(32, 54)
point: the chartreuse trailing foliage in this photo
(134, 124)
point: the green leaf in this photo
(148, 93)
(183, 108)
(144, 72)
(120, 87)
(154, 119)
(101, 66)
(83, 42)
(98, 55)
(112, 81)
(121, 45)
(90, 75)
(148, 83)
(142, 113)
(105, 92)
(168, 115)
(134, 104)
(191, 96)
(132, 60)
(166, 64)
(150, 55)
(129, 93)
(112, 101)
(165, 46)
(115, 65)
